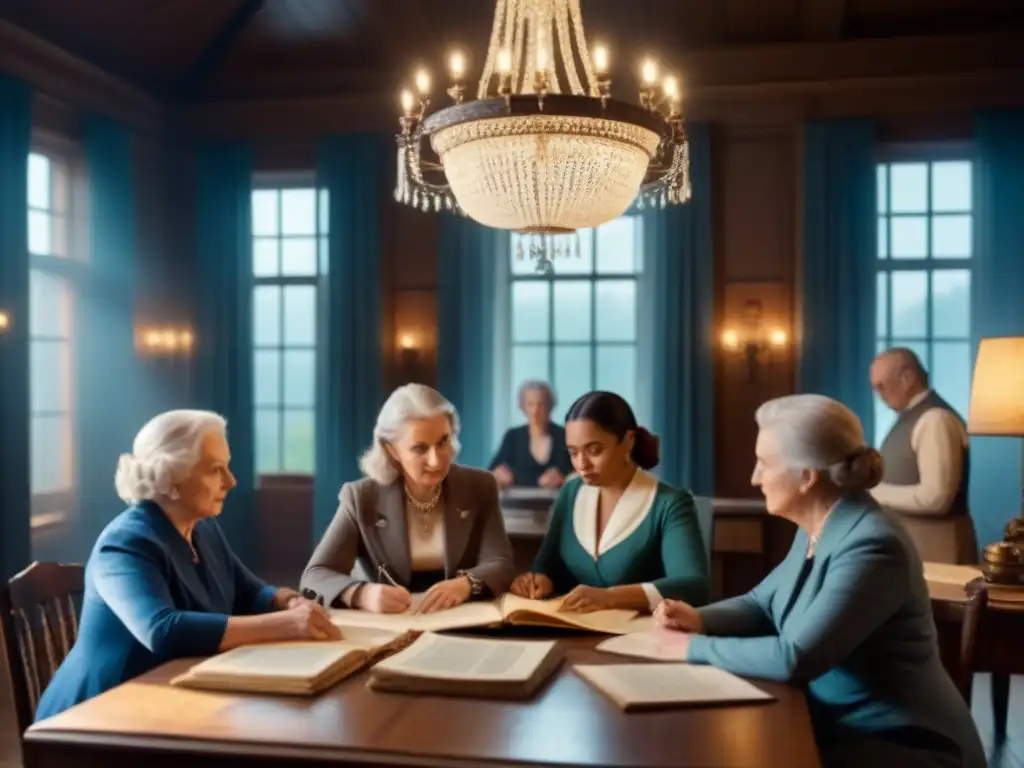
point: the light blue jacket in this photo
(854, 624)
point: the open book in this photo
(461, 666)
(960, 575)
(508, 609)
(637, 687)
(304, 668)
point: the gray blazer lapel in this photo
(460, 510)
(389, 523)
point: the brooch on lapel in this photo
(464, 514)
(381, 523)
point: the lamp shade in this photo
(997, 392)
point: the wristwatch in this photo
(476, 586)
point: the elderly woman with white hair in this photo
(416, 523)
(535, 454)
(847, 612)
(162, 581)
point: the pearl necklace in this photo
(424, 508)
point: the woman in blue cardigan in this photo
(847, 612)
(162, 582)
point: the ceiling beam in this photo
(821, 21)
(192, 83)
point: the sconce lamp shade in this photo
(997, 393)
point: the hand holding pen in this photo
(383, 598)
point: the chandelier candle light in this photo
(544, 149)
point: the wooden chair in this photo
(38, 626)
(974, 610)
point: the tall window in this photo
(52, 301)
(577, 328)
(289, 227)
(925, 246)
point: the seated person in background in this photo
(847, 612)
(162, 582)
(416, 522)
(534, 454)
(617, 538)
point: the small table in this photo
(149, 723)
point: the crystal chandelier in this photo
(544, 149)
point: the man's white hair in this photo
(407, 403)
(817, 432)
(164, 453)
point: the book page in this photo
(474, 614)
(653, 684)
(656, 645)
(441, 657)
(954, 575)
(289, 660)
(612, 621)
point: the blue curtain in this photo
(997, 301)
(839, 261)
(679, 264)
(107, 362)
(469, 256)
(350, 171)
(223, 290)
(15, 486)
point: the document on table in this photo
(458, 658)
(661, 686)
(655, 644)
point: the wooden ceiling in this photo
(184, 50)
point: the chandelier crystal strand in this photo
(576, 12)
(565, 47)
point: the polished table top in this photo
(567, 724)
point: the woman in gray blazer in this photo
(416, 522)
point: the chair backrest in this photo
(974, 613)
(38, 626)
(706, 521)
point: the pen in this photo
(382, 573)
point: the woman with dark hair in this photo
(618, 538)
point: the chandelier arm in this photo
(581, 43)
(565, 46)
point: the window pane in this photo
(267, 377)
(951, 186)
(951, 373)
(325, 255)
(882, 305)
(266, 312)
(885, 417)
(528, 362)
(325, 211)
(264, 212)
(59, 184)
(951, 303)
(572, 373)
(883, 188)
(50, 375)
(298, 257)
(51, 305)
(883, 237)
(572, 310)
(38, 181)
(299, 441)
(298, 212)
(616, 371)
(908, 187)
(40, 240)
(530, 311)
(909, 237)
(299, 377)
(51, 453)
(951, 237)
(616, 310)
(264, 257)
(268, 441)
(617, 246)
(300, 315)
(909, 290)
(59, 235)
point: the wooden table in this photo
(147, 723)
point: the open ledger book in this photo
(462, 666)
(637, 687)
(304, 668)
(508, 609)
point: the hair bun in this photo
(862, 470)
(646, 448)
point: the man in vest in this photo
(927, 461)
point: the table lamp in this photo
(997, 409)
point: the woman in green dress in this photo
(618, 538)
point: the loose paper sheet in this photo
(656, 645)
(653, 684)
(441, 657)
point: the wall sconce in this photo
(753, 338)
(410, 353)
(164, 341)
(5, 320)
